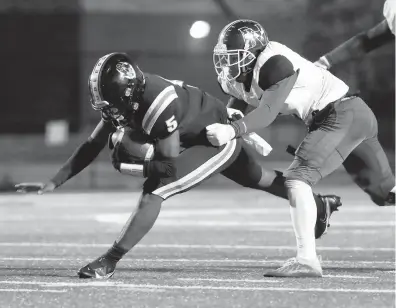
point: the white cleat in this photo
(298, 269)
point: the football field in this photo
(209, 248)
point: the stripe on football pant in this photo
(199, 174)
(157, 107)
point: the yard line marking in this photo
(33, 290)
(177, 223)
(122, 218)
(350, 277)
(343, 231)
(175, 212)
(270, 280)
(241, 261)
(192, 287)
(193, 246)
(74, 284)
(229, 280)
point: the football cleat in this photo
(295, 268)
(330, 204)
(101, 268)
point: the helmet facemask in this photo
(239, 45)
(230, 64)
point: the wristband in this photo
(239, 127)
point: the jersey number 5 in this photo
(171, 124)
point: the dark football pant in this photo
(234, 160)
(345, 133)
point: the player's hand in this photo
(40, 188)
(323, 63)
(231, 113)
(219, 134)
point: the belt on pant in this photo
(324, 112)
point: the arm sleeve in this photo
(361, 44)
(84, 154)
(277, 78)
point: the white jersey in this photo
(314, 89)
(390, 14)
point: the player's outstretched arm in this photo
(358, 45)
(80, 159)
(277, 78)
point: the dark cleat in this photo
(101, 268)
(330, 204)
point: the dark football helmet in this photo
(116, 85)
(238, 46)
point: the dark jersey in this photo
(166, 106)
(171, 105)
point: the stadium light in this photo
(199, 29)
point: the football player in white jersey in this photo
(271, 79)
(362, 43)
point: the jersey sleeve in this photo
(163, 116)
(390, 14)
(274, 70)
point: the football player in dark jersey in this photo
(174, 116)
(270, 79)
(364, 42)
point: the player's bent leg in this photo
(138, 225)
(192, 167)
(249, 171)
(369, 167)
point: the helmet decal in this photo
(126, 69)
(252, 37)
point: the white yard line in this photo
(332, 231)
(271, 280)
(339, 263)
(33, 290)
(107, 284)
(244, 223)
(193, 246)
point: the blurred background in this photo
(48, 49)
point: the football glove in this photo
(219, 134)
(40, 188)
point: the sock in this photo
(303, 215)
(115, 253)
